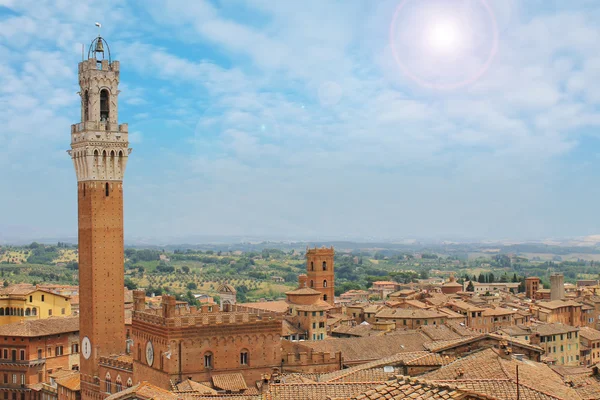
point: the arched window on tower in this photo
(119, 383)
(86, 106)
(324, 265)
(324, 283)
(312, 266)
(104, 105)
(312, 284)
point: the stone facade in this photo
(99, 149)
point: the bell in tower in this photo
(99, 46)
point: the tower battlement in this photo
(194, 319)
(102, 65)
(323, 251)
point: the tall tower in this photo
(319, 271)
(99, 149)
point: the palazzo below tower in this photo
(99, 149)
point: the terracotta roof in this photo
(407, 388)
(439, 332)
(278, 306)
(41, 327)
(497, 311)
(557, 304)
(303, 291)
(489, 365)
(372, 347)
(358, 330)
(316, 391)
(553, 329)
(321, 306)
(465, 306)
(191, 386)
(143, 391)
(18, 289)
(405, 313)
(589, 333)
(233, 382)
(73, 382)
(374, 371)
(287, 329)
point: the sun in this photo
(444, 36)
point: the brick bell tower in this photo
(99, 149)
(319, 272)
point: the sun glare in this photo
(443, 36)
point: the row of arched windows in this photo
(312, 283)
(20, 312)
(118, 383)
(312, 266)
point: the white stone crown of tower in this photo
(99, 145)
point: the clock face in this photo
(86, 347)
(149, 353)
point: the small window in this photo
(324, 265)
(42, 297)
(325, 283)
(312, 266)
(22, 355)
(244, 357)
(106, 191)
(50, 312)
(208, 360)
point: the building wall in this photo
(314, 323)
(411, 323)
(563, 347)
(557, 287)
(35, 305)
(29, 368)
(532, 285)
(320, 269)
(192, 338)
(591, 356)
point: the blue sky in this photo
(321, 119)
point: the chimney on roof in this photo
(460, 373)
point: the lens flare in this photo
(442, 44)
